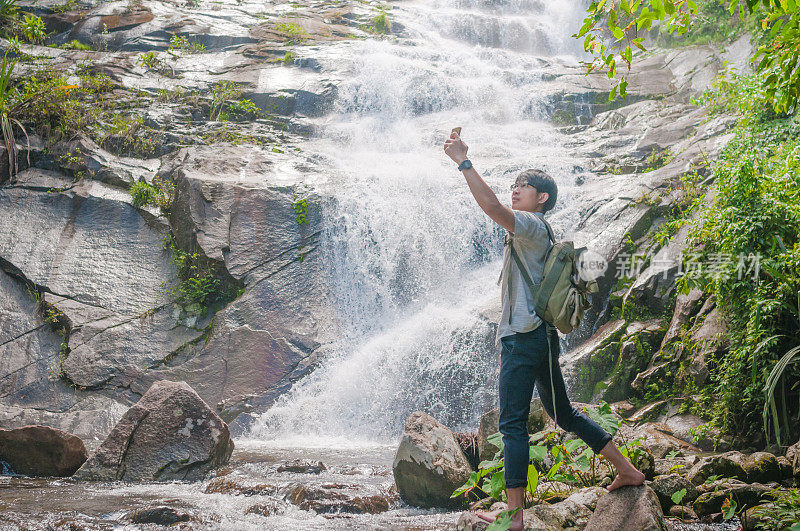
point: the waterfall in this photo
(412, 257)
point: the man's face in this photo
(526, 197)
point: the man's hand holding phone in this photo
(454, 147)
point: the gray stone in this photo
(170, 434)
(746, 495)
(628, 508)
(793, 455)
(589, 364)
(686, 305)
(720, 465)
(429, 464)
(666, 486)
(762, 467)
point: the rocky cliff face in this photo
(89, 316)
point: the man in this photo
(530, 347)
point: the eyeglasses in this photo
(519, 185)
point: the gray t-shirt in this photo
(531, 242)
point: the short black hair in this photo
(543, 183)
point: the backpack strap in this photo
(549, 230)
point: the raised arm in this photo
(456, 149)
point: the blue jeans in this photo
(523, 363)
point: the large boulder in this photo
(429, 464)
(762, 467)
(628, 508)
(41, 451)
(170, 434)
(728, 466)
(490, 424)
(745, 495)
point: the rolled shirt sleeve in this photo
(528, 225)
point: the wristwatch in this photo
(465, 165)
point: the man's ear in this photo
(544, 195)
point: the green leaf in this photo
(677, 497)
(618, 33)
(533, 479)
(497, 484)
(537, 453)
(728, 508)
(496, 439)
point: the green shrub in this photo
(291, 32)
(33, 29)
(203, 285)
(752, 235)
(160, 193)
(288, 58)
(181, 43)
(381, 23)
(783, 513)
(76, 45)
(129, 136)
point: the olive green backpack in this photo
(561, 298)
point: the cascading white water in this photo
(412, 257)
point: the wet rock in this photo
(686, 305)
(593, 360)
(635, 353)
(269, 336)
(683, 512)
(712, 338)
(720, 465)
(41, 451)
(429, 464)
(337, 499)
(746, 495)
(666, 486)
(490, 424)
(263, 509)
(236, 486)
(303, 467)
(786, 467)
(623, 408)
(628, 508)
(161, 516)
(169, 434)
(762, 467)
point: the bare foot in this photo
(634, 478)
(489, 516)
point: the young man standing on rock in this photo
(528, 341)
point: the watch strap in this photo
(465, 165)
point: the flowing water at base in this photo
(251, 482)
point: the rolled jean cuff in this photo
(596, 447)
(515, 483)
